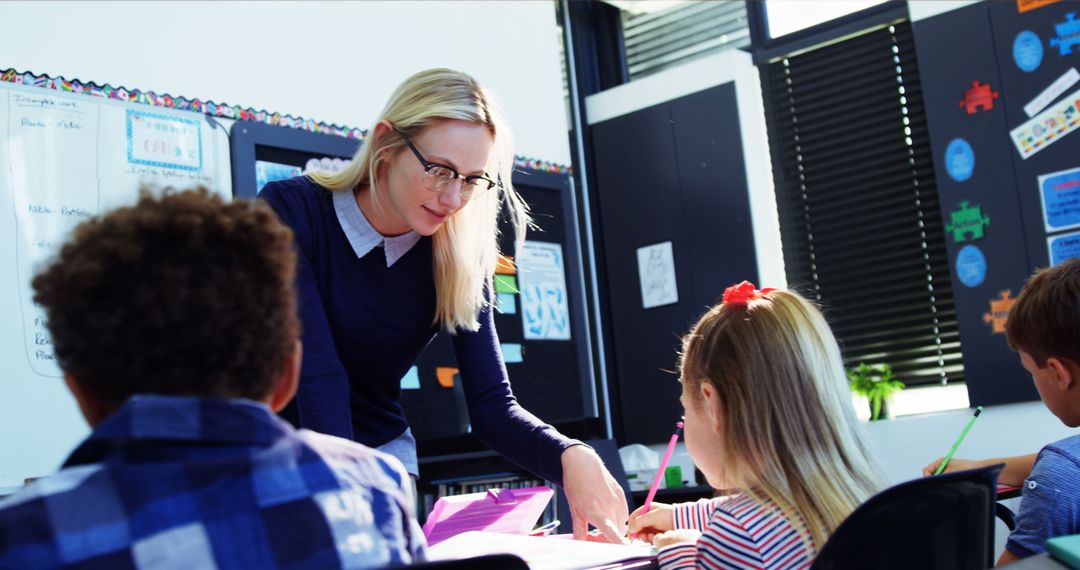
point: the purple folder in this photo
(509, 511)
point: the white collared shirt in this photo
(363, 237)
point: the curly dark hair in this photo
(180, 294)
(1045, 320)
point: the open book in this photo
(558, 552)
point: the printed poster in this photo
(545, 309)
(656, 270)
(1060, 195)
(1047, 127)
(1063, 247)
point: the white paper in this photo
(63, 158)
(545, 309)
(1052, 92)
(656, 270)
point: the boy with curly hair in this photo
(175, 324)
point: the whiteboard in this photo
(63, 158)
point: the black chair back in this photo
(940, 522)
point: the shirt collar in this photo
(362, 236)
(145, 418)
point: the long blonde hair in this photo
(466, 247)
(789, 430)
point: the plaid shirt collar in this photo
(363, 237)
(181, 419)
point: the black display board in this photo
(671, 172)
(553, 380)
(979, 66)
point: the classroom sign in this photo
(1047, 127)
(971, 266)
(545, 310)
(1027, 51)
(1060, 194)
(1063, 247)
(959, 160)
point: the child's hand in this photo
(680, 536)
(660, 518)
(955, 464)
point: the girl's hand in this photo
(659, 519)
(679, 536)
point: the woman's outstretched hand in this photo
(593, 495)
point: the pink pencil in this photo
(663, 467)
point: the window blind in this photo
(684, 32)
(858, 205)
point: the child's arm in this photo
(1017, 468)
(662, 518)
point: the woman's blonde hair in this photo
(789, 433)
(466, 247)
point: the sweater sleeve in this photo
(322, 399)
(695, 515)
(496, 417)
(681, 556)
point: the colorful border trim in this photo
(217, 110)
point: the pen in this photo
(948, 456)
(663, 467)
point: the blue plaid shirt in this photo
(170, 482)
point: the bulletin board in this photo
(539, 317)
(68, 157)
(1001, 82)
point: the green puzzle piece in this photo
(968, 220)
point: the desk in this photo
(1040, 561)
(1008, 492)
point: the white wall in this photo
(335, 62)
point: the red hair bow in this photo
(743, 293)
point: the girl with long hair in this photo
(768, 418)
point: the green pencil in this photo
(948, 456)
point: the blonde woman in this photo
(401, 244)
(769, 417)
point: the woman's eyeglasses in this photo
(438, 177)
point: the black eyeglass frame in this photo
(428, 165)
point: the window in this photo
(858, 204)
(660, 35)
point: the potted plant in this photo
(876, 383)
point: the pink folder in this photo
(508, 511)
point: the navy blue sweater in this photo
(365, 324)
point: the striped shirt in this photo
(188, 483)
(737, 532)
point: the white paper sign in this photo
(656, 270)
(1052, 92)
(545, 310)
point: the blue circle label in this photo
(971, 266)
(959, 160)
(1027, 51)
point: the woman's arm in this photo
(495, 414)
(501, 423)
(322, 399)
